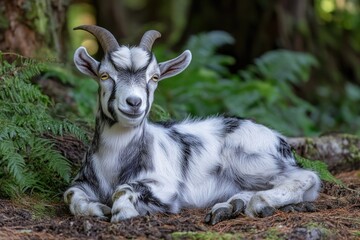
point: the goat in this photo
(135, 167)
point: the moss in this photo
(324, 231)
(356, 234)
(35, 13)
(352, 142)
(4, 22)
(309, 148)
(273, 234)
(205, 236)
(319, 167)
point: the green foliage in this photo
(83, 91)
(36, 12)
(263, 91)
(28, 161)
(319, 167)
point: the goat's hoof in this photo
(223, 212)
(220, 214)
(266, 212)
(105, 209)
(238, 207)
(120, 214)
(299, 207)
(99, 210)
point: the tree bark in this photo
(34, 28)
(340, 152)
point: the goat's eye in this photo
(155, 78)
(104, 76)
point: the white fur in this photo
(128, 58)
(122, 57)
(139, 58)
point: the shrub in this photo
(28, 161)
(262, 91)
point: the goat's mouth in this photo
(131, 115)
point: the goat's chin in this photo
(130, 122)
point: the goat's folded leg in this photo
(292, 188)
(140, 198)
(81, 204)
(123, 207)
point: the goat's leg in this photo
(139, 198)
(293, 187)
(85, 203)
(124, 200)
(292, 192)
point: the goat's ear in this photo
(85, 63)
(175, 66)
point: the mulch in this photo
(337, 217)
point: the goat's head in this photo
(127, 76)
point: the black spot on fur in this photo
(87, 177)
(136, 158)
(95, 141)
(284, 148)
(165, 150)
(167, 124)
(189, 144)
(281, 163)
(147, 196)
(231, 124)
(242, 181)
(102, 118)
(253, 183)
(147, 100)
(87, 173)
(217, 170)
(111, 103)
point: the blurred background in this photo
(293, 65)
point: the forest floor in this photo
(337, 217)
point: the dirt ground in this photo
(337, 217)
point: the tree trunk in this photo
(34, 28)
(340, 152)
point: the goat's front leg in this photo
(139, 198)
(83, 203)
(124, 200)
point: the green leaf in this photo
(284, 65)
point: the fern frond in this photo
(320, 167)
(28, 161)
(44, 152)
(14, 162)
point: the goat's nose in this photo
(134, 102)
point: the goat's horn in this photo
(148, 39)
(105, 38)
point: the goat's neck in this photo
(113, 136)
